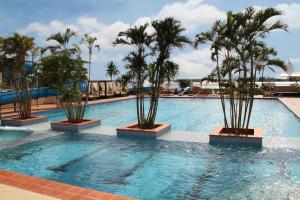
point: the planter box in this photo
(75, 127)
(133, 130)
(15, 121)
(251, 137)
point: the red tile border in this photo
(54, 189)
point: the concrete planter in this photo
(133, 130)
(251, 137)
(75, 127)
(15, 121)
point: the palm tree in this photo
(60, 71)
(239, 52)
(139, 40)
(62, 40)
(167, 36)
(89, 41)
(64, 70)
(112, 70)
(16, 49)
(171, 71)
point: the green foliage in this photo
(64, 70)
(124, 80)
(89, 42)
(150, 60)
(112, 70)
(240, 54)
(184, 83)
(14, 51)
(71, 99)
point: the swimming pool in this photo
(164, 170)
(195, 115)
(10, 135)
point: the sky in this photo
(104, 19)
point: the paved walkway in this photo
(292, 103)
(15, 186)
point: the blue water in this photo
(196, 115)
(150, 169)
(7, 136)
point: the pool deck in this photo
(15, 186)
(293, 104)
(9, 112)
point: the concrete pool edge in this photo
(65, 125)
(132, 130)
(52, 188)
(17, 122)
(295, 109)
(218, 137)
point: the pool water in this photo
(7, 136)
(149, 169)
(196, 115)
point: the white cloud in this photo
(193, 13)
(295, 60)
(44, 30)
(194, 64)
(105, 33)
(291, 14)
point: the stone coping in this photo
(132, 130)
(32, 118)
(54, 189)
(219, 138)
(13, 193)
(65, 125)
(292, 104)
(16, 121)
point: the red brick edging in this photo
(54, 189)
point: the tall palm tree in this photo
(16, 49)
(239, 52)
(171, 71)
(112, 70)
(139, 40)
(89, 41)
(168, 35)
(62, 49)
(62, 40)
(64, 66)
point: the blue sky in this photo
(105, 18)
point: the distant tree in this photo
(112, 70)
(123, 80)
(184, 83)
(171, 71)
(89, 41)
